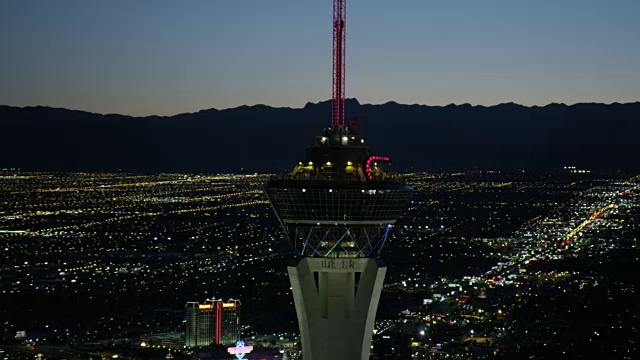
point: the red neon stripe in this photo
(218, 321)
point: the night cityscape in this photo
(483, 264)
(171, 187)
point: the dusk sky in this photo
(142, 57)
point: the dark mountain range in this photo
(262, 138)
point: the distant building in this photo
(212, 322)
(230, 323)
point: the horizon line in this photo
(311, 103)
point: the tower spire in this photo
(339, 53)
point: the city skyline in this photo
(505, 257)
(161, 58)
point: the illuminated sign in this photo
(337, 265)
(372, 159)
(240, 350)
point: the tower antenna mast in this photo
(339, 47)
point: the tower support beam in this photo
(336, 301)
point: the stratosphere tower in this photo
(337, 207)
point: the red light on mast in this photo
(339, 47)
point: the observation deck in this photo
(339, 201)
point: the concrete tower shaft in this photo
(336, 302)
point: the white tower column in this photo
(336, 301)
